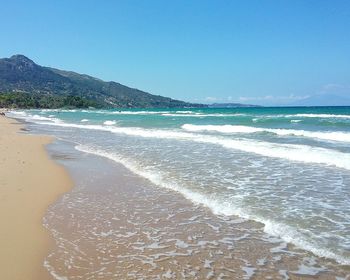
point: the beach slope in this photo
(29, 182)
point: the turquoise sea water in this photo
(288, 168)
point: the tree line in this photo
(32, 101)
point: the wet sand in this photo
(117, 225)
(29, 182)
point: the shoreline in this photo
(119, 224)
(30, 181)
(142, 242)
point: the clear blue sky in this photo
(249, 51)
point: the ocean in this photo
(200, 193)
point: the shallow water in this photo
(286, 170)
(117, 225)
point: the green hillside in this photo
(25, 84)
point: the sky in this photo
(259, 52)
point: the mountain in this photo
(21, 78)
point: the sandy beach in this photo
(29, 182)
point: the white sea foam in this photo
(184, 112)
(40, 118)
(222, 128)
(182, 115)
(84, 120)
(18, 113)
(295, 116)
(136, 113)
(222, 207)
(52, 271)
(295, 121)
(292, 235)
(301, 153)
(168, 113)
(109, 122)
(200, 115)
(33, 118)
(320, 116)
(329, 135)
(128, 112)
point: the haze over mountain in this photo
(20, 75)
(323, 100)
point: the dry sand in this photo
(29, 182)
